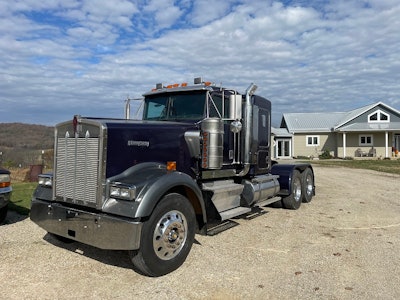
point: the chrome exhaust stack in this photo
(127, 109)
(248, 115)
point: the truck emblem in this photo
(138, 143)
(75, 124)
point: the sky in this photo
(59, 58)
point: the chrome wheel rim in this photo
(170, 235)
(309, 185)
(297, 189)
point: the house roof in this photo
(306, 122)
(371, 127)
(351, 115)
(280, 132)
(335, 121)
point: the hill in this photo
(24, 144)
(26, 136)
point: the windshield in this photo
(179, 106)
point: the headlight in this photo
(123, 191)
(5, 180)
(45, 180)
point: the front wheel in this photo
(166, 238)
(293, 201)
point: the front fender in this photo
(152, 193)
(152, 181)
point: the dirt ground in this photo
(342, 245)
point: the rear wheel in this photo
(167, 237)
(308, 185)
(293, 201)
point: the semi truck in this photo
(199, 156)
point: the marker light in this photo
(5, 180)
(171, 165)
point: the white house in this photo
(372, 131)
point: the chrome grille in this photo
(77, 169)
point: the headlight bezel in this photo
(122, 191)
(5, 180)
(45, 180)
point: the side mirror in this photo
(235, 107)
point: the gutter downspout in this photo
(248, 113)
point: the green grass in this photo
(21, 197)
(386, 166)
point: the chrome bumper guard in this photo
(98, 230)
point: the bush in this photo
(325, 155)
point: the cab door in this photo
(261, 139)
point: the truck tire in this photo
(166, 238)
(293, 201)
(3, 213)
(308, 185)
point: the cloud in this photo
(60, 58)
(203, 12)
(164, 12)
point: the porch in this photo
(380, 145)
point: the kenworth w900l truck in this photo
(200, 155)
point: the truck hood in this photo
(133, 142)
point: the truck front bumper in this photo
(99, 230)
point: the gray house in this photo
(369, 131)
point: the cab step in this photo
(234, 212)
(214, 229)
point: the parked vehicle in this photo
(5, 193)
(199, 156)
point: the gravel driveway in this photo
(342, 245)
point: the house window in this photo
(378, 116)
(366, 140)
(312, 140)
(384, 117)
